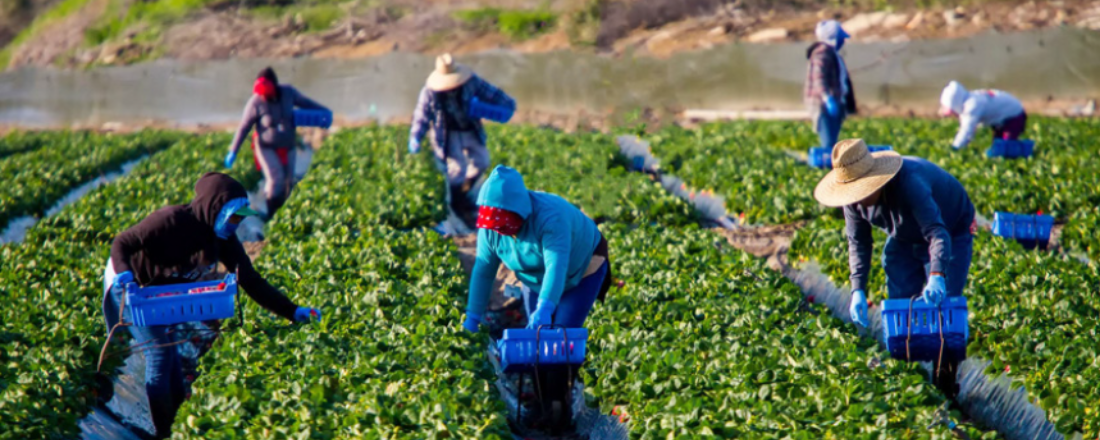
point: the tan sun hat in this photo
(448, 74)
(857, 173)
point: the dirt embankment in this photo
(644, 27)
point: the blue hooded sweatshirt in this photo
(549, 254)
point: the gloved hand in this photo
(121, 280)
(303, 314)
(472, 322)
(544, 315)
(935, 291)
(831, 105)
(229, 158)
(414, 146)
(858, 308)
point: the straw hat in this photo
(857, 173)
(448, 74)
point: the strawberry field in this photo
(701, 341)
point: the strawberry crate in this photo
(482, 110)
(914, 329)
(523, 349)
(185, 302)
(312, 118)
(822, 157)
(1030, 230)
(1011, 149)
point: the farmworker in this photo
(553, 248)
(459, 139)
(925, 212)
(181, 244)
(828, 91)
(998, 110)
(271, 111)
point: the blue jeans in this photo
(163, 368)
(828, 127)
(575, 303)
(907, 267)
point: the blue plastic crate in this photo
(483, 110)
(520, 350)
(186, 302)
(1011, 149)
(921, 327)
(1030, 230)
(312, 118)
(822, 157)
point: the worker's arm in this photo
(860, 245)
(126, 244)
(248, 120)
(491, 94)
(422, 117)
(236, 259)
(304, 102)
(968, 122)
(917, 192)
(483, 276)
(557, 242)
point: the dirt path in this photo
(61, 39)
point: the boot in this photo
(463, 208)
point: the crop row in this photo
(1036, 316)
(52, 284)
(35, 180)
(18, 142)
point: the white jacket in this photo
(987, 107)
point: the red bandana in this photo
(502, 221)
(265, 88)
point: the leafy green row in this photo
(1035, 315)
(52, 286)
(389, 360)
(705, 341)
(18, 142)
(35, 180)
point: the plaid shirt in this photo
(823, 77)
(429, 112)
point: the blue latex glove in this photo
(935, 291)
(544, 315)
(303, 314)
(229, 158)
(122, 279)
(858, 308)
(414, 146)
(832, 106)
(472, 322)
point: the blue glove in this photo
(303, 314)
(229, 158)
(544, 315)
(858, 308)
(832, 106)
(414, 146)
(122, 279)
(472, 322)
(935, 291)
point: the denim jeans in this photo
(907, 266)
(575, 303)
(163, 368)
(828, 127)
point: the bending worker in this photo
(828, 91)
(553, 248)
(181, 244)
(1001, 112)
(271, 111)
(925, 212)
(459, 138)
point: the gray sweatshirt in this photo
(922, 204)
(274, 121)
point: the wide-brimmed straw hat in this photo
(857, 173)
(448, 74)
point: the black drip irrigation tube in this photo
(16, 229)
(990, 401)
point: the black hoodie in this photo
(177, 244)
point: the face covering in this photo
(223, 228)
(502, 221)
(265, 88)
